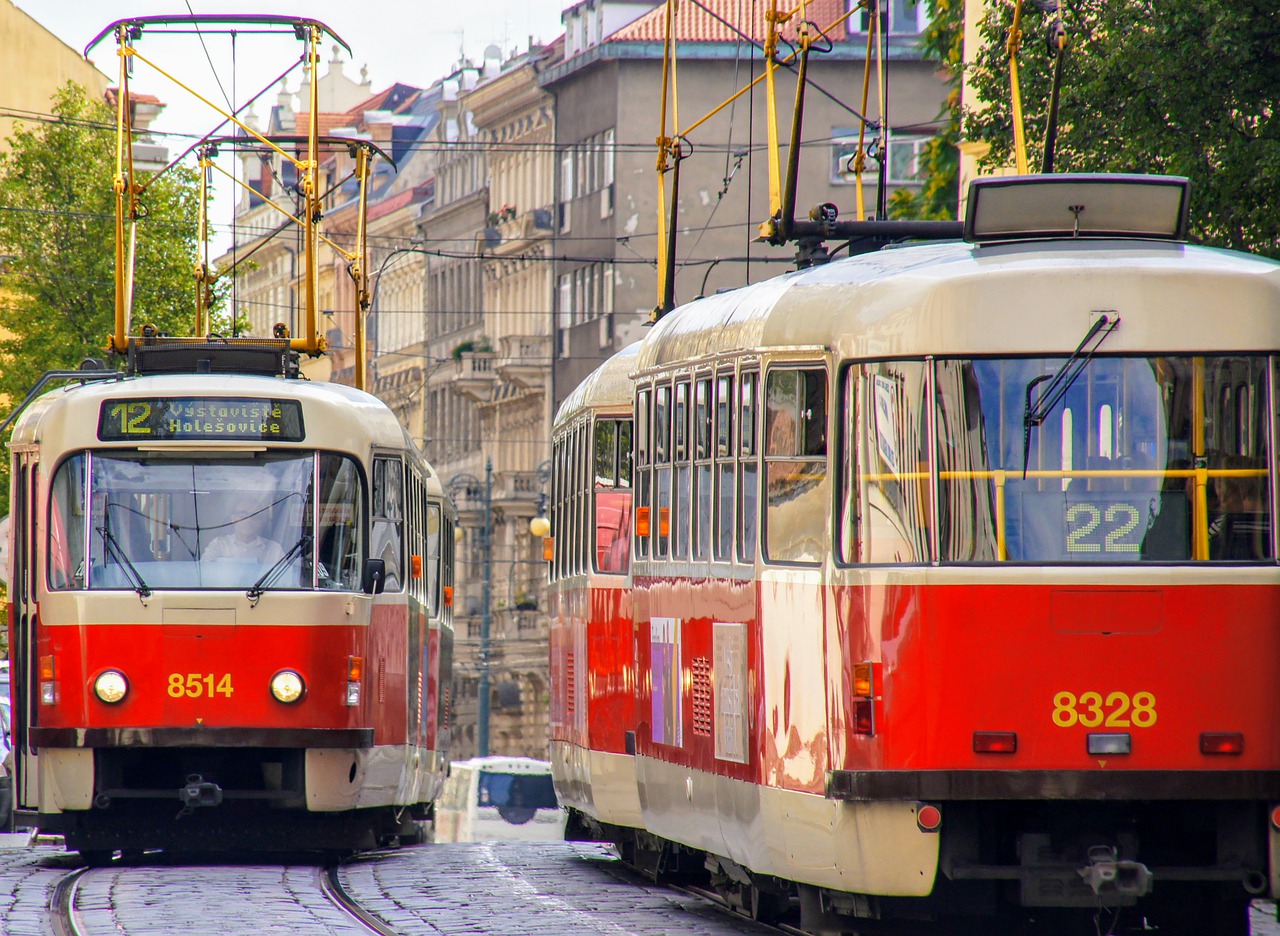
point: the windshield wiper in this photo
(1061, 381)
(114, 548)
(257, 588)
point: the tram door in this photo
(22, 624)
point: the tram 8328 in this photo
(953, 579)
(230, 613)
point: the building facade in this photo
(607, 88)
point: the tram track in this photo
(63, 915)
(331, 886)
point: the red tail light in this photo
(1221, 742)
(864, 719)
(995, 742)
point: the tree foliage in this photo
(1183, 87)
(57, 278)
(943, 42)
(57, 232)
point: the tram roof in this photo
(68, 416)
(609, 385)
(963, 298)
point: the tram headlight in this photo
(287, 686)
(111, 686)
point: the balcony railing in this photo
(525, 360)
(475, 375)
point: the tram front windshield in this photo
(265, 520)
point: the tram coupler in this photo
(1105, 873)
(200, 792)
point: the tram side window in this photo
(797, 495)
(724, 468)
(748, 472)
(661, 517)
(387, 541)
(681, 500)
(644, 475)
(67, 525)
(701, 501)
(433, 571)
(885, 497)
(340, 545)
(612, 495)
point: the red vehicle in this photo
(592, 653)
(953, 582)
(230, 615)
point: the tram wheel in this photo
(766, 906)
(96, 857)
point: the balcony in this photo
(475, 375)
(525, 360)
(516, 230)
(517, 493)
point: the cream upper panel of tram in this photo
(606, 387)
(963, 299)
(335, 417)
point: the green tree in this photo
(57, 281)
(1183, 87)
(943, 42)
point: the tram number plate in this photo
(1109, 710)
(199, 685)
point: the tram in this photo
(592, 652)
(953, 582)
(230, 615)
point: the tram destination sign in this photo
(168, 419)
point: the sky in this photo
(409, 41)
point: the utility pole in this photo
(482, 714)
(468, 483)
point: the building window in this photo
(897, 17)
(906, 159)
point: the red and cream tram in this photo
(953, 576)
(230, 614)
(592, 651)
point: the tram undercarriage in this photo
(218, 800)
(1184, 867)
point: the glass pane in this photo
(724, 512)
(661, 519)
(164, 522)
(642, 427)
(433, 560)
(662, 425)
(606, 451)
(747, 415)
(624, 453)
(67, 525)
(680, 514)
(724, 409)
(702, 419)
(339, 536)
(613, 525)
(889, 491)
(681, 420)
(797, 496)
(1112, 471)
(701, 511)
(747, 508)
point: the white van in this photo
(499, 799)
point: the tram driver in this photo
(245, 539)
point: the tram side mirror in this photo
(375, 576)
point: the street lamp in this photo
(471, 482)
